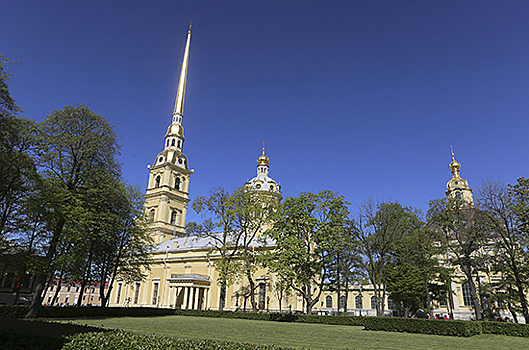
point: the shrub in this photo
(413, 325)
(505, 328)
(128, 341)
(76, 312)
(37, 335)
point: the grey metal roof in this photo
(200, 243)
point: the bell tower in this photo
(167, 192)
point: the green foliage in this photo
(307, 230)
(20, 311)
(125, 341)
(388, 324)
(37, 335)
(234, 222)
(411, 325)
(380, 228)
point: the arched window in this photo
(179, 143)
(458, 195)
(157, 181)
(173, 217)
(467, 295)
(341, 303)
(177, 183)
(373, 302)
(151, 215)
(328, 301)
(358, 302)
(167, 145)
(172, 142)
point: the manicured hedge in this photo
(279, 317)
(20, 311)
(16, 334)
(388, 324)
(505, 328)
(414, 325)
(129, 341)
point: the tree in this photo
(466, 236)
(18, 175)
(219, 226)
(379, 226)
(240, 217)
(124, 247)
(77, 149)
(305, 228)
(344, 264)
(251, 211)
(507, 208)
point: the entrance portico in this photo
(189, 291)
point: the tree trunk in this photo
(252, 290)
(473, 292)
(222, 298)
(346, 299)
(41, 276)
(56, 294)
(521, 295)
(427, 289)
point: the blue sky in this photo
(360, 97)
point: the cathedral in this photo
(183, 273)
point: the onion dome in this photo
(263, 160)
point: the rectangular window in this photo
(155, 294)
(118, 297)
(137, 293)
(262, 296)
(358, 302)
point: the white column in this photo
(184, 303)
(197, 290)
(191, 290)
(204, 298)
(454, 293)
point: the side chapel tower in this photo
(457, 188)
(263, 182)
(167, 192)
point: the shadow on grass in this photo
(20, 334)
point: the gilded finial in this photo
(452, 151)
(263, 147)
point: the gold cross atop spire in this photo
(190, 24)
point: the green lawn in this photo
(315, 336)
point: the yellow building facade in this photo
(183, 274)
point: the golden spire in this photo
(263, 160)
(179, 104)
(454, 166)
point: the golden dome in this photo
(454, 165)
(175, 129)
(263, 160)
